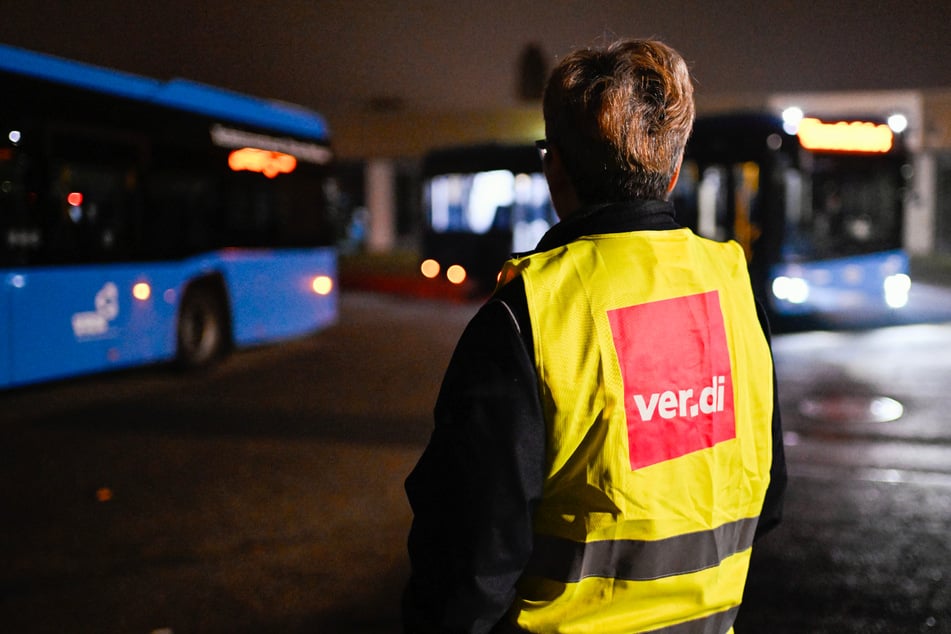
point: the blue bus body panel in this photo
(67, 321)
(842, 285)
(271, 293)
(6, 335)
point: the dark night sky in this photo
(435, 55)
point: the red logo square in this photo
(678, 387)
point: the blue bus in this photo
(147, 221)
(816, 202)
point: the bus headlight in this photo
(794, 290)
(896, 289)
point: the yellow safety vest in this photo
(656, 384)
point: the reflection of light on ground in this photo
(844, 408)
(837, 473)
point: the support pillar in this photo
(380, 183)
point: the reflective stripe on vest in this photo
(639, 560)
(656, 384)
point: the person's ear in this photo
(675, 177)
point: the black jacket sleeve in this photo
(474, 490)
(772, 512)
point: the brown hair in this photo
(620, 117)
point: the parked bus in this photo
(146, 221)
(481, 204)
(817, 204)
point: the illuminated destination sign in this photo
(845, 136)
(263, 161)
(224, 136)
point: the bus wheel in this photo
(202, 324)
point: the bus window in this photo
(724, 204)
(445, 195)
(746, 221)
(93, 198)
(181, 207)
(712, 204)
(532, 214)
(20, 230)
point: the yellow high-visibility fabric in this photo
(680, 498)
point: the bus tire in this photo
(203, 326)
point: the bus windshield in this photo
(850, 205)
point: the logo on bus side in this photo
(678, 385)
(96, 323)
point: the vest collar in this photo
(621, 217)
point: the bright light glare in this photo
(322, 284)
(794, 290)
(429, 268)
(14, 136)
(791, 118)
(886, 409)
(456, 274)
(141, 291)
(898, 123)
(897, 288)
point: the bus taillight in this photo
(429, 269)
(322, 284)
(456, 274)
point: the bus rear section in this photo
(482, 203)
(820, 217)
(145, 221)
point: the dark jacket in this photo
(476, 485)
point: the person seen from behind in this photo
(607, 443)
